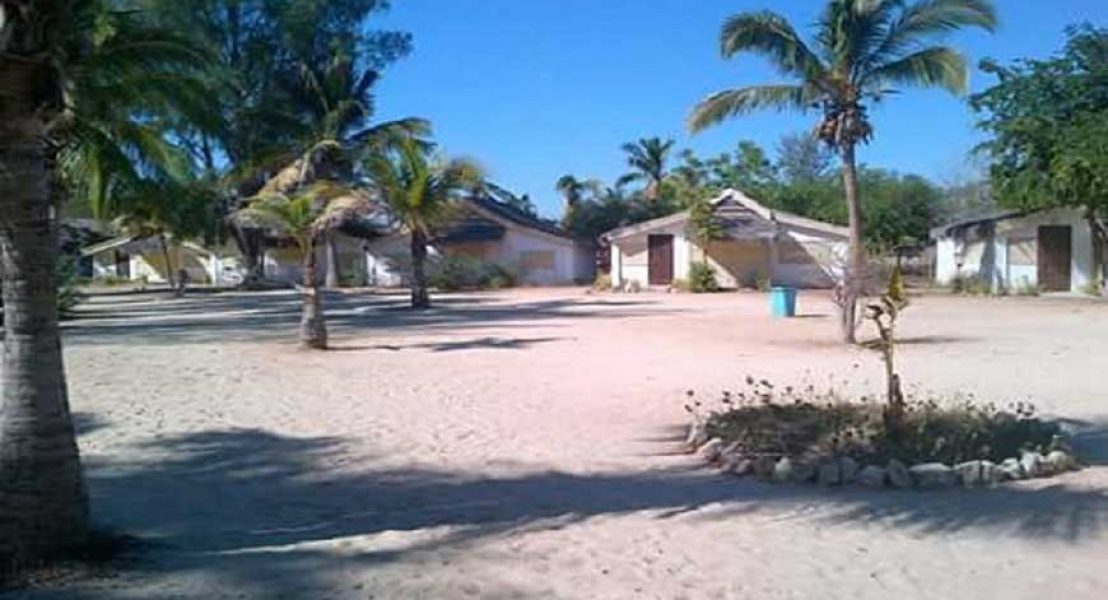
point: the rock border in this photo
(830, 471)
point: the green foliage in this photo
(66, 280)
(647, 159)
(862, 49)
(1049, 125)
(455, 273)
(702, 278)
(419, 189)
(762, 282)
(809, 424)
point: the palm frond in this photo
(926, 18)
(771, 35)
(721, 105)
(931, 67)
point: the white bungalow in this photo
(1051, 250)
(535, 251)
(144, 259)
(758, 243)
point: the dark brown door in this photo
(1055, 253)
(660, 259)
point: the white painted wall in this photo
(630, 255)
(972, 256)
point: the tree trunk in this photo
(421, 299)
(1100, 249)
(313, 329)
(332, 281)
(43, 499)
(170, 277)
(854, 275)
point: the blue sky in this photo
(534, 89)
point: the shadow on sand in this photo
(255, 509)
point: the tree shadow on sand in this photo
(257, 510)
(275, 316)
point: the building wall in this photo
(535, 258)
(630, 256)
(804, 260)
(1007, 257)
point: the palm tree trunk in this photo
(332, 280)
(169, 275)
(853, 278)
(43, 499)
(421, 299)
(313, 328)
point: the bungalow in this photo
(757, 244)
(1052, 250)
(140, 258)
(537, 252)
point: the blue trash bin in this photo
(782, 301)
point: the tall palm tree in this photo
(421, 193)
(861, 50)
(306, 216)
(647, 159)
(60, 63)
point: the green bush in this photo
(702, 278)
(464, 273)
(802, 423)
(603, 282)
(969, 284)
(65, 277)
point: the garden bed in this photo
(809, 436)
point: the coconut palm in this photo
(306, 216)
(861, 50)
(421, 193)
(72, 73)
(647, 159)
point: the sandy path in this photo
(521, 445)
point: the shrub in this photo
(1094, 287)
(603, 282)
(809, 423)
(702, 278)
(462, 272)
(970, 284)
(681, 284)
(65, 277)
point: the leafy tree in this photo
(801, 158)
(1049, 122)
(295, 74)
(862, 49)
(80, 81)
(420, 192)
(647, 159)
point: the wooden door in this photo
(660, 259)
(1054, 257)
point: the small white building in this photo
(536, 252)
(140, 258)
(1051, 250)
(757, 244)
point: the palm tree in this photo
(420, 192)
(861, 50)
(72, 72)
(647, 159)
(573, 191)
(306, 216)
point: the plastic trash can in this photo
(782, 301)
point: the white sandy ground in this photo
(522, 445)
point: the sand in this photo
(524, 444)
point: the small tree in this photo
(420, 192)
(306, 216)
(884, 314)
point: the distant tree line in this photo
(800, 177)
